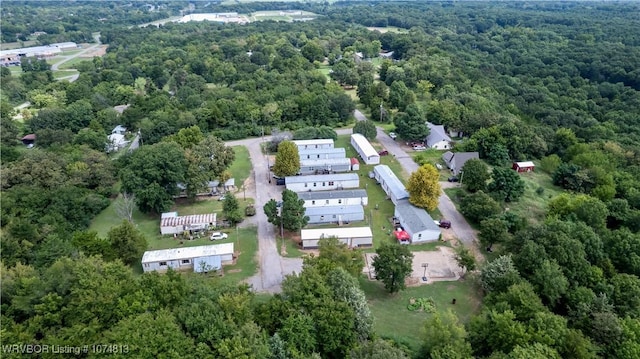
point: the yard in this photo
(241, 167)
(394, 321)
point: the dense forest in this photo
(554, 82)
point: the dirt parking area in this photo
(440, 266)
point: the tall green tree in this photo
(424, 187)
(231, 209)
(445, 337)
(478, 206)
(506, 184)
(377, 349)
(127, 242)
(366, 128)
(287, 159)
(293, 218)
(466, 260)
(411, 124)
(476, 175)
(393, 265)
(499, 274)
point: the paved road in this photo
(72, 78)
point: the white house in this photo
(328, 165)
(335, 214)
(121, 130)
(319, 153)
(322, 182)
(314, 144)
(438, 138)
(171, 223)
(351, 236)
(199, 259)
(369, 154)
(116, 142)
(390, 183)
(334, 198)
(416, 222)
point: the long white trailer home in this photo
(390, 183)
(335, 214)
(334, 198)
(324, 166)
(314, 144)
(369, 154)
(322, 182)
(320, 153)
(199, 259)
(353, 237)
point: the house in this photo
(455, 160)
(120, 130)
(319, 153)
(390, 183)
(116, 142)
(171, 223)
(527, 166)
(368, 154)
(314, 144)
(438, 138)
(353, 237)
(29, 139)
(200, 259)
(322, 182)
(329, 165)
(335, 214)
(334, 198)
(416, 222)
(13, 57)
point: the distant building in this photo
(322, 182)
(328, 165)
(13, 57)
(416, 222)
(171, 223)
(368, 154)
(200, 259)
(527, 166)
(335, 214)
(390, 183)
(120, 130)
(438, 138)
(353, 237)
(455, 160)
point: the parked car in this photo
(444, 223)
(280, 181)
(383, 153)
(221, 198)
(419, 148)
(250, 210)
(453, 179)
(393, 135)
(279, 204)
(218, 235)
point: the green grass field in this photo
(64, 73)
(73, 63)
(532, 205)
(394, 321)
(241, 167)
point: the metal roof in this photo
(187, 252)
(321, 178)
(318, 141)
(320, 151)
(364, 145)
(436, 134)
(416, 219)
(325, 161)
(392, 181)
(525, 164)
(343, 232)
(331, 210)
(319, 195)
(174, 221)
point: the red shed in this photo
(355, 164)
(28, 139)
(527, 166)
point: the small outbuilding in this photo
(527, 166)
(368, 154)
(171, 223)
(353, 237)
(29, 139)
(335, 214)
(200, 259)
(355, 164)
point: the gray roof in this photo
(320, 178)
(392, 181)
(447, 156)
(417, 219)
(320, 195)
(316, 151)
(460, 158)
(330, 210)
(325, 162)
(436, 134)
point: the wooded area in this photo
(557, 83)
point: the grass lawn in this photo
(393, 320)
(325, 70)
(241, 166)
(64, 73)
(71, 64)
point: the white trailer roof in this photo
(187, 252)
(319, 178)
(342, 232)
(525, 164)
(319, 141)
(325, 162)
(173, 221)
(365, 146)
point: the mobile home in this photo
(322, 182)
(369, 154)
(416, 222)
(335, 214)
(334, 198)
(353, 237)
(390, 183)
(199, 259)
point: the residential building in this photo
(171, 223)
(353, 237)
(455, 160)
(335, 214)
(438, 138)
(368, 154)
(322, 182)
(324, 166)
(314, 144)
(416, 222)
(199, 259)
(390, 183)
(334, 198)
(320, 153)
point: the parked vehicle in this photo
(393, 135)
(221, 198)
(383, 153)
(453, 179)
(280, 181)
(250, 210)
(444, 223)
(419, 148)
(218, 235)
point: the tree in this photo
(271, 211)
(410, 125)
(444, 337)
(493, 230)
(293, 217)
(495, 330)
(400, 96)
(479, 205)
(377, 349)
(152, 173)
(549, 281)
(393, 264)
(127, 242)
(231, 209)
(125, 205)
(499, 274)
(506, 184)
(366, 128)
(287, 159)
(346, 288)
(550, 163)
(476, 175)
(466, 260)
(335, 254)
(312, 51)
(424, 188)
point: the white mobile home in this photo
(369, 154)
(322, 182)
(171, 223)
(390, 183)
(314, 144)
(319, 153)
(334, 198)
(335, 214)
(199, 259)
(416, 222)
(324, 166)
(351, 236)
